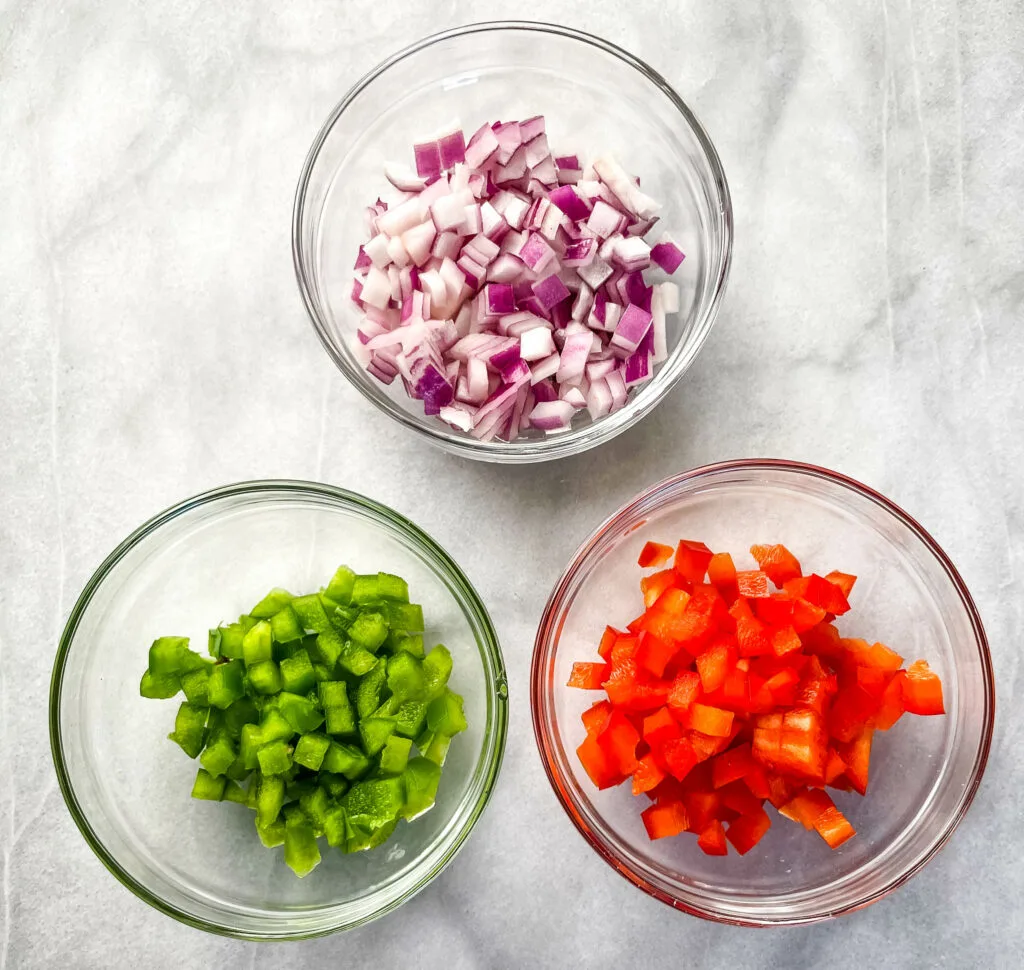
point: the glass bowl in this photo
(924, 772)
(204, 561)
(597, 98)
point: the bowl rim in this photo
(603, 430)
(546, 633)
(371, 510)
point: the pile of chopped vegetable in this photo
(317, 703)
(506, 287)
(726, 693)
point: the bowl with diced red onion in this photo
(513, 238)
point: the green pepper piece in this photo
(207, 787)
(275, 726)
(341, 721)
(375, 731)
(335, 828)
(247, 622)
(301, 852)
(369, 631)
(275, 758)
(237, 771)
(343, 759)
(189, 729)
(249, 744)
(437, 750)
(297, 675)
(341, 718)
(275, 601)
(258, 644)
(405, 616)
(343, 617)
(412, 645)
(329, 646)
(271, 835)
(316, 804)
(382, 586)
(167, 655)
(375, 802)
(310, 612)
(269, 798)
(226, 684)
(196, 685)
(234, 793)
(300, 712)
(437, 668)
(213, 642)
(357, 660)
(231, 641)
(368, 691)
(285, 626)
(406, 679)
(339, 588)
(310, 751)
(265, 677)
(334, 785)
(218, 755)
(395, 755)
(361, 841)
(237, 715)
(322, 673)
(444, 714)
(159, 686)
(421, 778)
(411, 717)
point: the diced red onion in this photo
(536, 344)
(550, 291)
(428, 159)
(667, 254)
(551, 415)
(631, 329)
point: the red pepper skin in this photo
(922, 690)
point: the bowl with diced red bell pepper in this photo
(762, 692)
(331, 747)
(500, 251)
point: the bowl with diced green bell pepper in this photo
(263, 743)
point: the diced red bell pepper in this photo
(890, 708)
(654, 586)
(732, 765)
(701, 807)
(851, 710)
(875, 655)
(712, 839)
(873, 682)
(843, 580)
(678, 757)
(806, 615)
(598, 765)
(819, 591)
(596, 717)
(722, 574)
(785, 640)
(778, 562)
(752, 583)
(661, 727)
(626, 647)
(685, 690)
(857, 756)
(589, 676)
(814, 809)
(713, 721)
(922, 690)
(706, 746)
(648, 774)
(757, 781)
(780, 789)
(608, 638)
(692, 560)
(824, 641)
(834, 767)
(654, 554)
(655, 654)
(816, 687)
(736, 690)
(782, 686)
(664, 820)
(794, 742)
(714, 664)
(751, 634)
(739, 798)
(746, 831)
(619, 740)
(775, 610)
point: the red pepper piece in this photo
(702, 807)
(625, 648)
(732, 765)
(775, 610)
(712, 839)
(713, 721)
(684, 691)
(857, 755)
(922, 690)
(746, 831)
(648, 774)
(819, 591)
(654, 586)
(783, 686)
(891, 707)
(608, 639)
(739, 798)
(692, 560)
(601, 769)
(780, 789)
(778, 562)
(757, 781)
(843, 580)
(785, 640)
(751, 634)
(589, 676)
(824, 641)
(834, 767)
(814, 809)
(660, 728)
(851, 710)
(877, 655)
(655, 654)
(654, 554)
(736, 690)
(619, 740)
(665, 820)
(806, 615)
(752, 583)
(816, 687)
(596, 717)
(679, 757)
(714, 664)
(794, 742)
(722, 575)
(706, 746)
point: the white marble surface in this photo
(873, 324)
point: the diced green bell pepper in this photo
(249, 744)
(334, 785)
(213, 640)
(258, 644)
(299, 711)
(167, 655)
(382, 586)
(226, 684)
(207, 787)
(301, 852)
(234, 792)
(275, 726)
(189, 729)
(368, 691)
(269, 798)
(395, 755)
(360, 840)
(316, 805)
(437, 668)
(265, 677)
(241, 712)
(357, 660)
(341, 718)
(339, 588)
(297, 675)
(437, 750)
(247, 622)
(405, 616)
(285, 626)
(343, 759)
(275, 601)
(369, 631)
(322, 673)
(406, 679)
(421, 780)
(444, 714)
(159, 686)
(310, 612)
(411, 717)
(237, 771)
(227, 641)
(375, 802)
(218, 755)
(411, 644)
(271, 835)
(329, 647)
(375, 731)
(196, 685)
(310, 751)
(343, 617)
(335, 828)
(275, 758)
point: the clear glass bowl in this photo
(597, 99)
(924, 772)
(203, 561)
